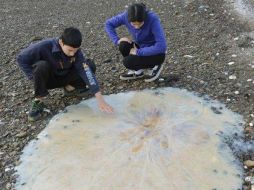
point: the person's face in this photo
(137, 25)
(68, 50)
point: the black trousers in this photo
(135, 62)
(45, 77)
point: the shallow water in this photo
(168, 139)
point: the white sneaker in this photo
(156, 71)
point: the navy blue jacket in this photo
(150, 37)
(49, 50)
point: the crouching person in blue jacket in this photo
(146, 49)
(59, 62)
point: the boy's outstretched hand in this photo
(102, 104)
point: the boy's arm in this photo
(112, 23)
(86, 73)
(27, 57)
(89, 77)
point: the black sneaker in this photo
(156, 71)
(77, 92)
(36, 110)
(131, 76)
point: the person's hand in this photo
(133, 51)
(124, 39)
(103, 106)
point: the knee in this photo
(127, 62)
(91, 65)
(41, 66)
(124, 48)
(123, 45)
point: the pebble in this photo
(249, 179)
(234, 55)
(21, 134)
(237, 92)
(7, 169)
(231, 63)
(8, 186)
(249, 163)
(232, 77)
(188, 56)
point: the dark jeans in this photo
(134, 62)
(45, 78)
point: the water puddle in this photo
(168, 139)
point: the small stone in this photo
(231, 63)
(107, 61)
(7, 169)
(251, 124)
(237, 92)
(249, 179)
(234, 55)
(46, 110)
(36, 38)
(232, 77)
(21, 134)
(188, 56)
(249, 163)
(8, 186)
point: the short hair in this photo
(72, 37)
(137, 12)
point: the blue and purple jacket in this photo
(150, 37)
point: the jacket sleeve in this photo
(160, 45)
(86, 73)
(27, 57)
(112, 23)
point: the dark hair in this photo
(72, 37)
(137, 12)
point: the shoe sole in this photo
(131, 78)
(156, 76)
